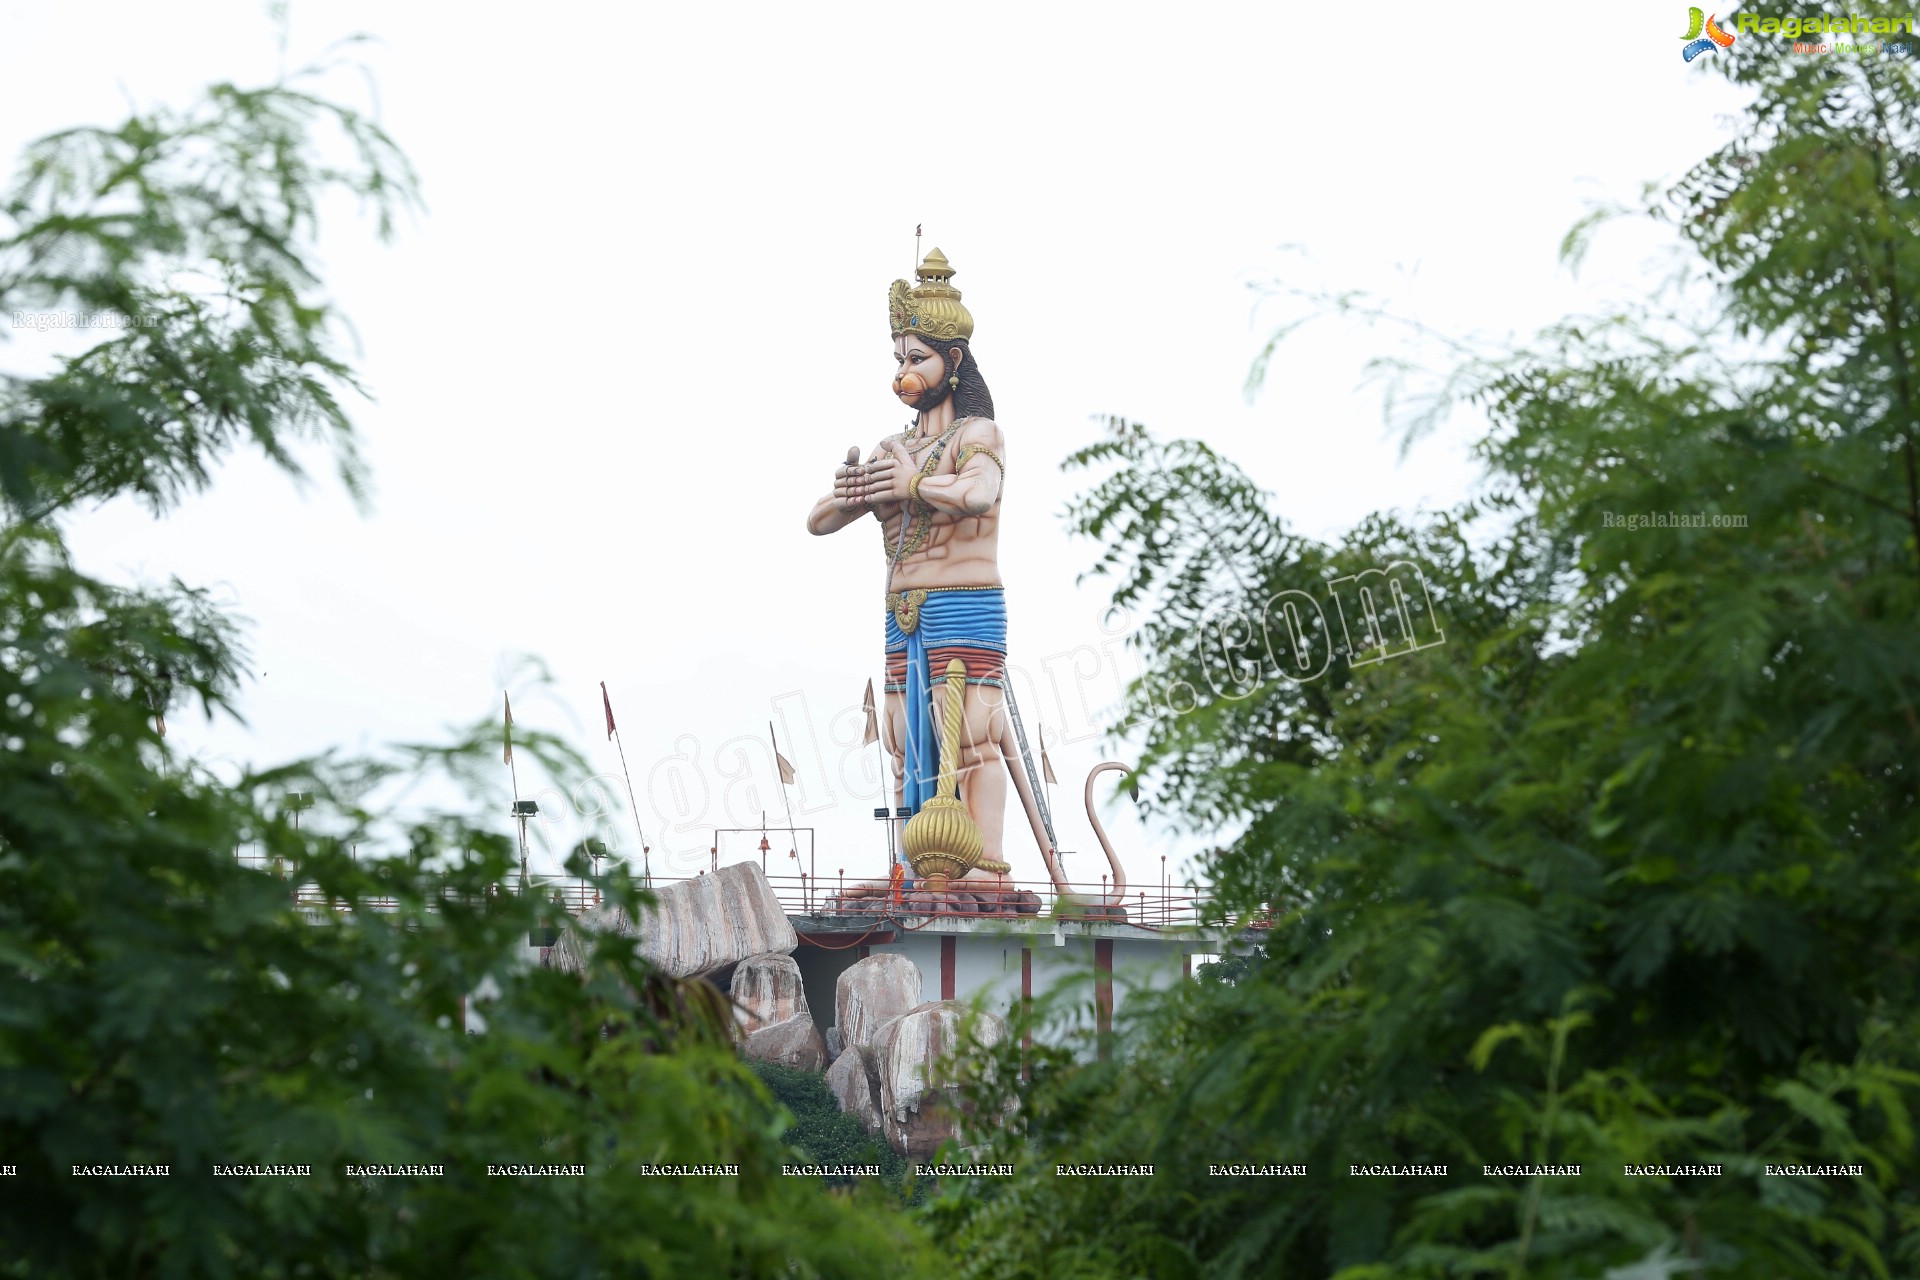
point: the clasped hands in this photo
(884, 481)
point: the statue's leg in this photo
(983, 774)
(893, 736)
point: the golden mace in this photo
(941, 840)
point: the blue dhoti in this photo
(926, 630)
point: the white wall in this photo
(988, 964)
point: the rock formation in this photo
(871, 991)
(766, 989)
(698, 928)
(918, 1106)
(772, 1008)
(793, 1043)
(853, 1087)
(886, 1072)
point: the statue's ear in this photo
(954, 356)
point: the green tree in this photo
(160, 1004)
(1624, 871)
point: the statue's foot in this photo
(994, 890)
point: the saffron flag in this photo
(780, 761)
(873, 719)
(1046, 765)
(607, 702)
(506, 757)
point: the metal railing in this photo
(827, 898)
(1157, 906)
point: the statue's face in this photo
(921, 377)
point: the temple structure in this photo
(874, 981)
(877, 979)
(874, 991)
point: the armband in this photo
(967, 453)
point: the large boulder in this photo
(870, 991)
(698, 928)
(771, 1007)
(918, 1107)
(853, 1087)
(793, 1043)
(766, 989)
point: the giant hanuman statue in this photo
(935, 489)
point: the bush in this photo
(827, 1135)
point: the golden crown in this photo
(932, 308)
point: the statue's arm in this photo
(973, 488)
(830, 515)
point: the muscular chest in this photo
(925, 534)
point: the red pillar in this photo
(949, 952)
(1103, 993)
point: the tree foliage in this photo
(160, 1003)
(826, 1135)
(1623, 873)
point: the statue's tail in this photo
(1100, 833)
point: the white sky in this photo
(642, 319)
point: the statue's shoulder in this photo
(980, 436)
(981, 431)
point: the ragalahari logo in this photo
(1698, 44)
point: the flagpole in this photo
(893, 810)
(1046, 767)
(792, 832)
(1050, 782)
(885, 775)
(646, 854)
(513, 772)
(633, 797)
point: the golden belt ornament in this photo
(905, 607)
